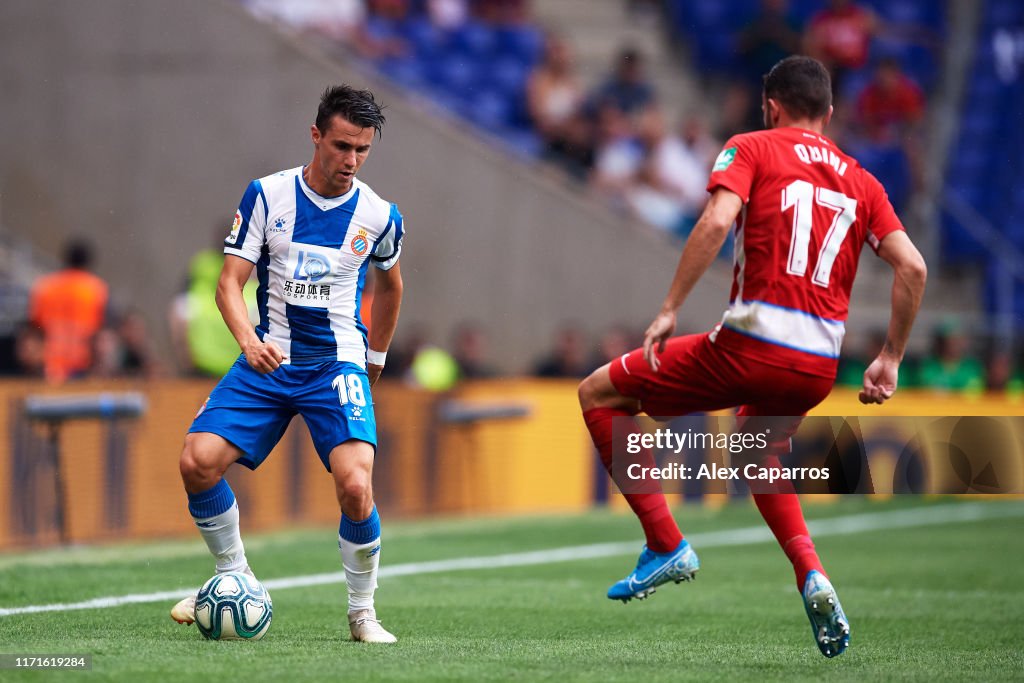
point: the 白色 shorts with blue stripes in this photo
(252, 410)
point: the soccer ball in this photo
(233, 606)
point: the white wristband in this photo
(375, 357)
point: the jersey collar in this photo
(325, 203)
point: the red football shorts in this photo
(697, 376)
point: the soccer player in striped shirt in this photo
(802, 210)
(311, 233)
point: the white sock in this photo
(360, 561)
(224, 539)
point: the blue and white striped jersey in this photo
(311, 255)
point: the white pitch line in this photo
(836, 526)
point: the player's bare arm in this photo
(233, 276)
(702, 246)
(387, 300)
(909, 276)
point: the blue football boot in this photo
(828, 622)
(654, 569)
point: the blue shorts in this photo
(252, 410)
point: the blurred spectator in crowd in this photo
(698, 140)
(434, 369)
(69, 306)
(578, 151)
(29, 352)
(888, 115)
(950, 367)
(470, 352)
(447, 15)
(126, 350)
(203, 343)
(1008, 50)
(568, 358)
(408, 340)
(840, 37)
(671, 191)
(627, 89)
(393, 10)
(618, 156)
(342, 21)
(766, 40)
(501, 12)
(554, 96)
(740, 111)
(1001, 375)
(855, 361)
(615, 342)
(891, 107)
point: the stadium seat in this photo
(474, 39)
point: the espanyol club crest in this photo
(360, 243)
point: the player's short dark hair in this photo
(78, 254)
(801, 85)
(355, 106)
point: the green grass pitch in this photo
(940, 601)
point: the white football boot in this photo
(185, 611)
(366, 627)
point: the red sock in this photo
(782, 513)
(659, 526)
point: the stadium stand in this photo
(985, 167)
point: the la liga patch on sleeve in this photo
(724, 159)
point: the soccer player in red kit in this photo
(802, 211)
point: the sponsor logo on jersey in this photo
(309, 267)
(724, 159)
(278, 226)
(360, 243)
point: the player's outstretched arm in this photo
(387, 300)
(701, 248)
(233, 276)
(909, 276)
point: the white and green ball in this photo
(233, 606)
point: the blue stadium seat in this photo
(456, 73)
(489, 109)
(1004, 12)
(477, 71)
(524, 43)
(508, 75)
(408, 72)
(425, 39)
(474, 39)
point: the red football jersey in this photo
(808, 209)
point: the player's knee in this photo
(597, 391)
(593, 392)
(353, 487)
(586, 393)
(198, 465)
